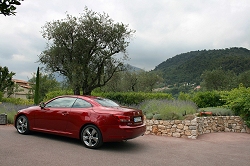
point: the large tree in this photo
(8, 7)
(87, 50)
(5, 79)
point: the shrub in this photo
(167, 109)
(18, 101)
(238, 100)
(184, 96)
(208, 99)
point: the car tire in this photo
(22, 125)
(91, 137)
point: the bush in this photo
(238, 100)
(18, 101)
(167, 109)
(208, 99)
(184, 96)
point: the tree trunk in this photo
(77, 91)
(86, 91)
(36, 97)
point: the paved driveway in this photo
(216, 149)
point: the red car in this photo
(94, 120)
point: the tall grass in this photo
(167, 109)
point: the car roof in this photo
(86, 97)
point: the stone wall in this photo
(193, 128)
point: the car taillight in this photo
(123, 119)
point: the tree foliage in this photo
(85, 49)
(188, 67)
(5, 79)
(133, 81)
(8, 7)
(218, 80)
(244, 78)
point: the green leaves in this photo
(238, 100)
(208, 99)
(5, 78)
(7, 7)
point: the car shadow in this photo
(122, 146)
(55, 137)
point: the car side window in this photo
(65, 102)
(80, 103)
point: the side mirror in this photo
(42, 105)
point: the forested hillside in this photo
(188, 67)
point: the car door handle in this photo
(65, 113)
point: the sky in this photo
(164, 28)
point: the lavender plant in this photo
(167, 109)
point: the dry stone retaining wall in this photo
(193, 128)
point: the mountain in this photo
(188, 67)
(132, 68)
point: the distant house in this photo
(23, 89)
(197, 87)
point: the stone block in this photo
(178, 135)
(3, 119)
(185, 128)
(162, 127)
(193, 122)
(192, 127)
(166, 122)
(178, 121)
(180, 126)
(193, 132)
(155, 129)
(187, 132)
(173, 130)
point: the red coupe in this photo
(94, 120)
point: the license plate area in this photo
(137, 119)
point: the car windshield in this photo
(106, 102)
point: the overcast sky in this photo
(164, 28)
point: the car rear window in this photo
(106, 102)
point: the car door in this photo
(54, 116)
(79, 115)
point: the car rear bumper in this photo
(119, 133)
